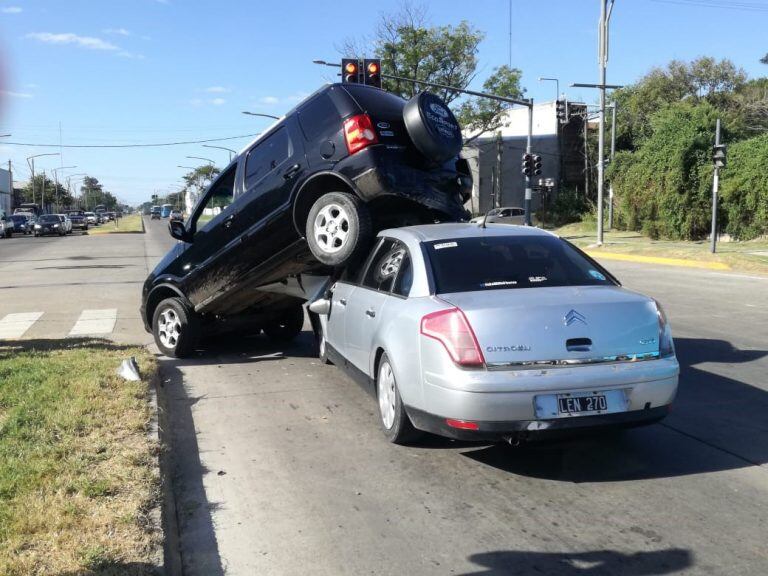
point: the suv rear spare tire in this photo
(432, 127)
(175, 328)
(338, 228)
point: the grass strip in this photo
(77, 474)
(130, 224)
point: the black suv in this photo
(306, 197)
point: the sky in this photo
(158, 71)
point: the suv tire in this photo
(338, 228)
(175, 328)
(287, 325)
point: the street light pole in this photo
(222, 148)
(556, 81)
(613, 153)
(56, 180)
(32, 169)
(528, 190)
(606, 7)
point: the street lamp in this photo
(32, 169)
(260, 114)
(222, 148)
(555, 80)
(56, 180)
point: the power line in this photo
(724, 4)
(144, 145)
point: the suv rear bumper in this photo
(388, 171)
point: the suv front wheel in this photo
(338, 228)
(175, 328)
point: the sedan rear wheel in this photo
(395, 423)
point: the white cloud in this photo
(217, 90)
(130, 55)
(269, 100)
(11, 94)
(88, 42)
(11, 10)
(218, 101)
(117, 31)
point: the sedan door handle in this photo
(371, 312)
(291, 172)
(342, 301)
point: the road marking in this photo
(15, 325)
(95, 322)
(658, 260)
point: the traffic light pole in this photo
(715, 186)
(528, 190)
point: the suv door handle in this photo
(291, 172)
(371, 312)
(228, 221)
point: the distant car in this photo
(6, 226)
(49, 224)
(496, 333)
(155, 213)
(92, 218)
(22, 223)
(176, 215)
(79, 219)
(66, 222)
(508, 215)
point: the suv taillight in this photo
(359, 133)
(451, 328)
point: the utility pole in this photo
(613, 153)
(586, 155)
(605, 17)
(499, 179)
(719, 159)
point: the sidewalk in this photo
(749, 256)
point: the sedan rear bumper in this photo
(537, 429)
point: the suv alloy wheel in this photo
(175, 328)
(338, 228)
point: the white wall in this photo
(6, 191)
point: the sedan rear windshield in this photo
(506, 262)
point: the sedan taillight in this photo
(666, 344)
(451, 328)
(359, 133)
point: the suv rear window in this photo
(505, 262)
(375, 101)
(319, 117)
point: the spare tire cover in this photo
(432, 127)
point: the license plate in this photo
(565, 405)
(579, 404)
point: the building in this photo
(6, 191)
(495, 158)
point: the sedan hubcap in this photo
(169, 328)
(331, 228)
(387, 395)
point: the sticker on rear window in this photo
(596, 275)
(537, 278)
(499, 283)
(445, 245)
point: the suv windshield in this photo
(504, 262)
(49, 219)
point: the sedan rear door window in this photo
(506, 262)
(384, 266)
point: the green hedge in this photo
(744, 188)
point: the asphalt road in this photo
(280, 467)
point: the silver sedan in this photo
(494, 333)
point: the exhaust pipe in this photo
(517, 439)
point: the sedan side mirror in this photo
(321, 306)
(179, 231)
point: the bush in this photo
(569, 206)
(744, 189)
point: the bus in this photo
(165, 211)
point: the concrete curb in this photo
(155, 515)
(658, 260)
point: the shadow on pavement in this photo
(595, 563)
(724, 417)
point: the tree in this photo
(47, 193)
(410, 47)
(764, 59)
(197, 180)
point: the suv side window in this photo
(216, 200)
(384, 266)
(319, 117)
(266, 156)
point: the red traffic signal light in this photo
(372, 72)
(350, 71)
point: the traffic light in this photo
(350, 70)
(719, 156)
(372, 72)
(561, 109)
(527, 167)
(536, 165)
